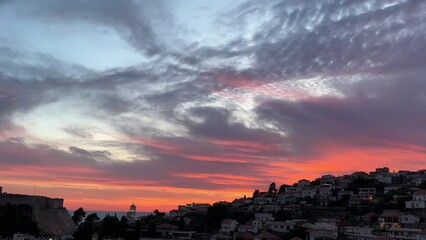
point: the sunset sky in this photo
(160, 103)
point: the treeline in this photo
(17, 218)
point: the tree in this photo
(17, 218)
(138, 228)
(78, 216)
(215, 214)
(272, 188)
(256, 193)
(158, 213)
(122, 227)
(181, 224)
(110, 227)
(92, 218)
(152, 229)
(85, 230)
(283, 187)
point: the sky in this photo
(106, 102)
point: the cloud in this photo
(374, 113)
(299, 86)
(130, 19)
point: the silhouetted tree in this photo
(17, 218)
(181, 224)
(158, 213)
(215, 214)
(152, 229)
(256, 193)
(123, 225)
(272, 188)
(138, 228)
(110, 227)
(78, 216)
(283, 187)
(85, 230)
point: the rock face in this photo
(49, 213)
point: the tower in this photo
(131, 214)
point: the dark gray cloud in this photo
(130, 19)
(374, 114)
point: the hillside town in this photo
(361, 206)
(377, 205)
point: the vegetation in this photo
(17, 218)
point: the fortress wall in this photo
(34, 201)
(55, 222)
(51, 217)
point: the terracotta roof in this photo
(421, 192)
(391, 213)
(227, 221)
(266, 235)
(246, 226)
(246, 235)
(167, 226)
(369, 215)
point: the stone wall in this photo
(49, 213)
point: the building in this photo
(166, 229)
(131, 214)
(390, 219)
(247, 228)
(49, 213)
(359, 233)
(282, 227)
(266, 236)
(20, 236)
(418, 202)
(228, 225)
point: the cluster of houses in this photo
(330, 207)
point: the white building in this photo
(228, 226)
(271, 208)
(282, 227)
(359, 233)
(247, 228)
(418, 202)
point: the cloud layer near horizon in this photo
(167, 102)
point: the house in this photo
(367, 191)
(303, 183)
(183, 235)
(262, 200)
(404, 233)
(20, 236)
(359, 233)
(262, 220)
(246, 236)
(176, 213)
(266, 236)
(228, 225)
(282, 227)
(316, 234)
(418, 202)
(247, 228)
(308, 193)
(390, 218)
(166, 229)
(263, 216)
(271, 208)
